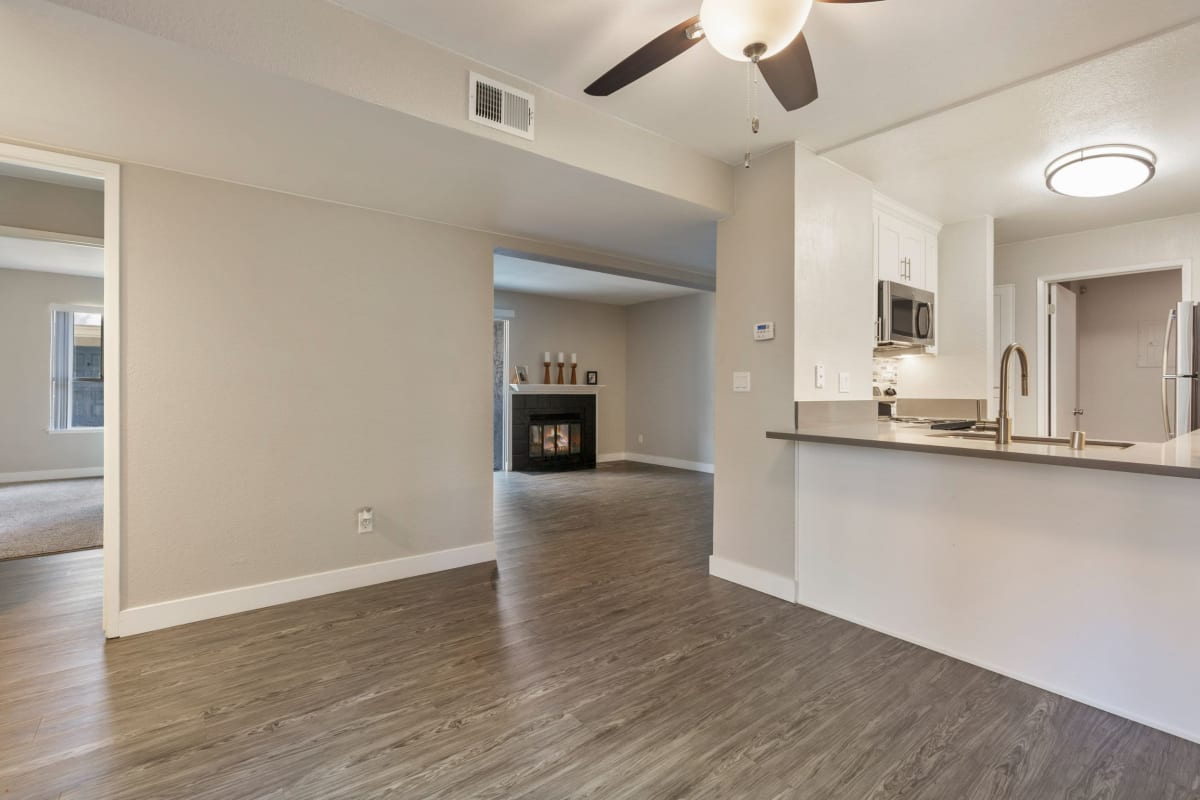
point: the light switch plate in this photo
(844, 382)
(741, 381)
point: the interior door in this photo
(1064, 361)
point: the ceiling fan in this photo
(767, 34)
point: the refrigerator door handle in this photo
(1166, 376)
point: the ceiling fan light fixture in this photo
(1101, 171)
(733, 26)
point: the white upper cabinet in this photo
(905, 245)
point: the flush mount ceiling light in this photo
(1101, 171)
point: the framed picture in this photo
(522, 373)
(593, 378)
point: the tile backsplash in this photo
(885, 374)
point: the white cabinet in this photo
(904, 252)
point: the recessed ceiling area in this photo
(989, 156)
(877, 64)
(514, 274)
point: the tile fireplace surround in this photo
(553, 431)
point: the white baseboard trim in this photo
(1192, 735)
(754, 578)
(155, 616)
(602, 458)
(51, 474)
(677, 463)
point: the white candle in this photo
(572, 358)
(546, 357)
(560, 358)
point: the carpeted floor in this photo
(50, 516)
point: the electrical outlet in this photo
(819, 376)
(641, 439)
(844, 382)
(366, 519)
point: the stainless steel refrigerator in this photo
(1181, 370)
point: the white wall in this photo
(1120, 399)
(754, 484)
(25, 445)
(835, 278)
(42, 206)
(594, 331)
(1084, 582)
(1167, 240)
(671, 363)
(962, 367)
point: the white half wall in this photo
(1082, 583)
(671, 353)
(27, 450)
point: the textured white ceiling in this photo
(878, 63)
(989, 156)
(553, 280)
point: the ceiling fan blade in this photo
(790, 74)
(646, 59)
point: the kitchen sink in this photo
(991, 437)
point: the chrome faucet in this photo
(1004, 421)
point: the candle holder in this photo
(546, 372)
(561, 364)
(573, 378)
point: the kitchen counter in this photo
(1179, 458)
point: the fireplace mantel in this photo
(553, 388)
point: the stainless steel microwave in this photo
(905, 317)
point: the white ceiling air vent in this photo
(501, 107)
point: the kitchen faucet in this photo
(1004, 420)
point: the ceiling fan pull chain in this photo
(749, 115)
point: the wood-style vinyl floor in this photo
(599, 661)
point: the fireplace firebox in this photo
(553, 432)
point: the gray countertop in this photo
(1179, 458)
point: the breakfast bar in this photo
(1075, 571)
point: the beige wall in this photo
(25, 446)
(1120, 399)
(671, 362)
(754, 482)
(962, 367)
(595, 332)
(1158, 241)
(286, 361)
(50, 207)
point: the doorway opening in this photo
(59, 336)
(1103, 338)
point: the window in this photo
(76, 369)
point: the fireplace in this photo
(553, 432)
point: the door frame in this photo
(110, 173)
(1042, 306)
(506, 316)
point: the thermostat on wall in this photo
(764, 331)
